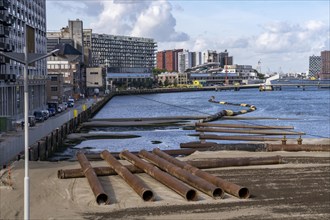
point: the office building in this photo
(315, 64)
(15, 15)
(225, 59)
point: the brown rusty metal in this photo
(229, 162)
(297, 147)
(186, 192)
(185, 176)
(99, 193)
(238, 138)
(100, 171)
(174, 152)
(231, 188)
(249, 131)
(242, 126)
(135, 182)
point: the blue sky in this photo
(282, 34)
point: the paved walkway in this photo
(12, 143)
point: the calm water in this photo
(307, 111)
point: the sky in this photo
(281, 34)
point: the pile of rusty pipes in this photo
(166, 169)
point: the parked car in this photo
(59, 109)
(45, 113)
(39, 116)
(70, 103)
(52, 112)
(32, 121)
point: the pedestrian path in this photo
(12, 143)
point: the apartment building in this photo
(168, 60)
(315, 65)
(123, 54)
(21, 19)
(183, 60)
(325, 70)
(72, 67)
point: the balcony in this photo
(4, 31)
(4, 4)
(5, 19)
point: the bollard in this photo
(75, 113)
(284, 140)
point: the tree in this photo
(166, 83)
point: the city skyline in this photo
(281, 34)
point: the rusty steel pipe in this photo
(249, 131)
(296, 147)
(229, 162)
(238, 138)
(166, 179)
(174, 152)
(201, 164)
(185, 176)
(231, 188)
(135, 182)
(100, 171)
(242, 126)
(99, 193)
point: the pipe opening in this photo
(243, 193)
(191, 195)
(147, 195)
(60, 174)
(102, 199)
(218, 193)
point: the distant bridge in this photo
(274, 86)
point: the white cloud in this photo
(281, 37)
(151, 19)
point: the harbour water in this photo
(308, 111)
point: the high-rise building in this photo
(185, 59)
(325, 70)
(169, 60)
(225, 59)
(123, 54)
(315, 64)
(20, 20)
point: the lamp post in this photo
(26, 59)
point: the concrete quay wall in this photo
(47, 137)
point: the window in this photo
(53, 88)
(53, 78)
(94, 73)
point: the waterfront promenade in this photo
(12, 142)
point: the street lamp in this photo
(26, 59)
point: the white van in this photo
(70, 102)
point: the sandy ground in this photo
(298, 189)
